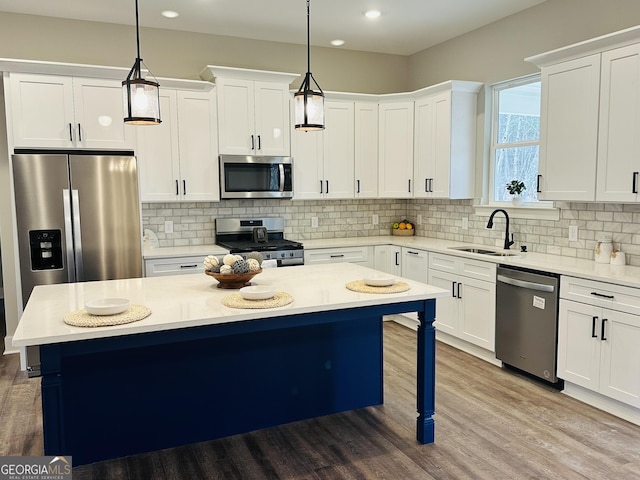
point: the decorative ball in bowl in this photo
(233, 280)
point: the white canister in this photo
(618, 258)
(602, 253)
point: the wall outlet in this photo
(168, 226)
(375, 219)
(465, 223)
(573, 233)
(314, 222)
(419, 219)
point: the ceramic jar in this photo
(604, 247)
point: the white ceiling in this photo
(405, 26)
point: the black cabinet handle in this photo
(397, 262)
(70, 133)
(426, 185)
(337, 256)
(177, 192)
(453, 289)
(409, 185)
(184, 187)
(593, 327)
(79, 132)
(602, 337)
(321, 187)
(412, 253)
(431, 185)
(538, 184)
(253, 144)
(189, 266)
(259, 143)
(634, 188)
(327, 182)
(358, 189)
(459, 285)
(602, 295)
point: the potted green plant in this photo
(515, 188)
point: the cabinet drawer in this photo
(338, 255)
(463, 266)
(173, 266)
(601, 294)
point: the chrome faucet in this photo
(507, 241)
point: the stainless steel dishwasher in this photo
(527, 320)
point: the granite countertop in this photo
(182, 301)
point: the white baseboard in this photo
(609, 405)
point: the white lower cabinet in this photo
(415, 264)
(157, 267)
(598, 338)
(387, 258)
(469, 313)
(360, 255)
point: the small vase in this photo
(517, 200)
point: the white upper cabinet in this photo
(619, 133)
(445, 140)
(590, 120)
(569, 130)
(324, 160)
(395, 154)
(54, 111)
(366, 149)
(179, 158)
(253, 110)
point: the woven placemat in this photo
(235, 300)
(361, 287)
(80, 318)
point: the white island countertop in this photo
(183, 301)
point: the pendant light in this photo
(309, 103)
(141, 97)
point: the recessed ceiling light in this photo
(372, 14)
(170, 14)
(337, 43)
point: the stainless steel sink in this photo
(484, 251)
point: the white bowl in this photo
(257, 292)
(379, 280)
(107, 306)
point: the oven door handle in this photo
(281, 170)
(540, 287)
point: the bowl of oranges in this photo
(404, 227)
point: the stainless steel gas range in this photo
(264, 235)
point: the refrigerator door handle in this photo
(68, 234)
(75, 205)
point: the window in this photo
(515, 139)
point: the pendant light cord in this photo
(308, 41)
(137, 34)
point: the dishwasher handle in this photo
(540, 287)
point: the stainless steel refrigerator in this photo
(78, 219)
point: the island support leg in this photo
(426, 371)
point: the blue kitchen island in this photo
(196, 370)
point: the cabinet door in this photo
(387, 259)
(579, 343)
(619, 129)
(157, 267)
(446, 307)
(198, 146)
(338, 150)
(620, 357)
(424, 147)
(99, 113)
(395, 163)
(272, 121)
(236, 116)
(366, 150)
(308, 173)
(477, 312)
(158, 154)
(415, 264)
(42, 110)
(569, 129)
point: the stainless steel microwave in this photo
(248, 176)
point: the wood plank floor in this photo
(490, 424)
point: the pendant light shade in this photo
(141, 97)
(309, 102)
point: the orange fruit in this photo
(402, 226)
